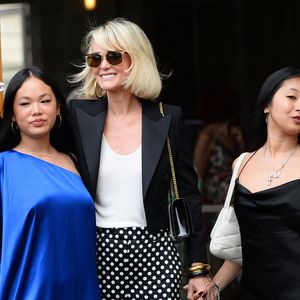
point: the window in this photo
(15, 38)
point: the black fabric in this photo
(88, 118)
(181, 226)
(135, 264)
(270, 233)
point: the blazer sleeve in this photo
(187, 185)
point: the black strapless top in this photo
(270, 232)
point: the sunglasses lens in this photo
(114, 57)
(93, 60)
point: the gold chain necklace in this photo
(42, 154)
(276, 173)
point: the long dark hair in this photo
(61, 137)
(269, 88)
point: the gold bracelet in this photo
(198, 273)
(200, 266)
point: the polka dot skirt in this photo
(137, 265)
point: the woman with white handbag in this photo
(266, 199)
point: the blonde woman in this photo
(121, 139)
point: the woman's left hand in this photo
(201, 288)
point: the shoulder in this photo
(151, 109)
(1, 160)
(4, 156)
(244, 157)
(6, 153)
(90, 106)
(175, 111)
(172, 109)
(81, 102)
(86, 103)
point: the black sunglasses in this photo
(94, 60)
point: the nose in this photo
(36, 109)
(297, 105)
(104, 64)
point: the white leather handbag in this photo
(225, 236)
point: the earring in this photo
(59, 120)
(14, 127)
(266, 116)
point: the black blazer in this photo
(88, 118)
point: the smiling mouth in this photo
(108, 76)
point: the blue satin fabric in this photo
(47, 237)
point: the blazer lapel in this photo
(91, 126)
(154, 134)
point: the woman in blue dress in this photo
(47, 218)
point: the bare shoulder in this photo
(67, 161)
(245, 159)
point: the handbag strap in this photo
(174, 181)
(233, 178)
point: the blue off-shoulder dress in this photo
(47, 232)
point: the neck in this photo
(277, 148)
(36, 148)
(275, 171)
(123, 106)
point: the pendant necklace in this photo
(276, 173)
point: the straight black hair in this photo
(268, 90)
(61, 137)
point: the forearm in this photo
(226, 274)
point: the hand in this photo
(201, 288)
(1, 86)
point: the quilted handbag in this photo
(225, 236)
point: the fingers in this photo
(200, 295)
(201, 288)
(207, 295)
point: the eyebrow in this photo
(293, 89)
(41, 96)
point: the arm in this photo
(211, 291)
(226, 274)
(187, 185)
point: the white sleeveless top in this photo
(119, 197)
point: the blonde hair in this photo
(144, 79)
